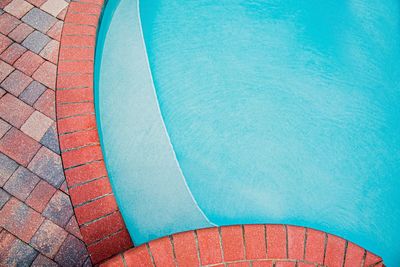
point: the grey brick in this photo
(43, 261)
(72, 253)
(21, 183)
(7, 167)
(39, 20)
(36, 41)
(50, 139)
(59, 209)
(48, 238)
(32, 92)
(4, 197)
(20, 254)
(4, 127)
(47, 165)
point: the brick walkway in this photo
(37, 222)
(248, 245)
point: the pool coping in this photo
(249, 245)
(95, 207)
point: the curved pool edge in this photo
(94, 204)
(97, 213)
(122, 68)
(248, 245)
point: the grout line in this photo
(93, 200)
(305, 243)
(151, 254)
(171, 240)
(196, 239)
(325, 246)
(345, 253)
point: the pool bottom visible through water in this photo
(254, 112)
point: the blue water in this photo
(252, 111)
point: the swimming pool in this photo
(253, 112)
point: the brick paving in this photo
(248, 245)
(37, 223)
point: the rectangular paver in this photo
(39, 19)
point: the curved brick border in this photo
(248, 245)
(97, 213)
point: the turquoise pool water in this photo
(250, 111)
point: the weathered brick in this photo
(50, 139)
(4, 197)
(19, 219)
(89, 191)
(16, 82)
(32, 92)
(186, 249)
(255, 241)
(14, 111)
(36, 41)
(12, 53)
(162, 252)
(110, 246)
(296, 237)
(354, 255)
(46, 105)
(95, 209)
(5, 70)
(28, 62)
(19, 146)
(46, 74)
(59, 209)
(72, 252)
(276, 241)
(7, 167)
(21, 32)
(48, 239)
(102, 228)
(54, 7)
(40, 196)
(79, 139)
(8, 23)
(81, 156)
(50, 51)
(18, 8)
(78, 123)
(209, 246)
(43, 261)
(74, 109)
(14, 252)
(138, 256)
(36, 125)
(73, 227)
(85, 173)
(39, 20)
(55, 30)
(48, 166)
(315, 246)
(232, 243)
(21, 183)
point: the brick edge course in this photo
(93, 200)
(272, 245)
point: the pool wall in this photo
(96, 210)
